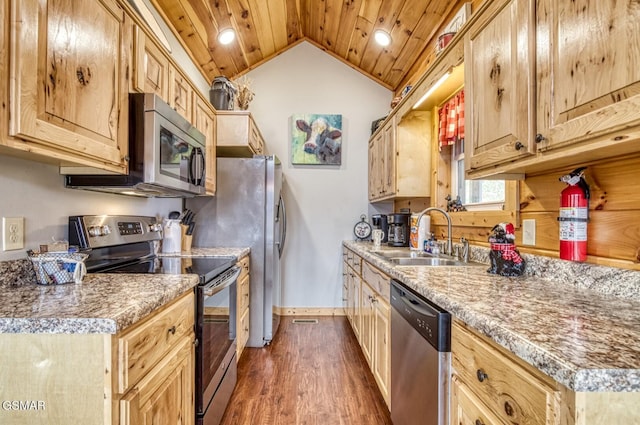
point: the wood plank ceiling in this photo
(343, 28)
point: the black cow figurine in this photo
(504, 258)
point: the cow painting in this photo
(318, 139)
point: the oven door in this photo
(215, 352)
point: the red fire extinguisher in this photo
(574, 215)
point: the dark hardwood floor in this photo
(311, 374)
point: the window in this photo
(474, 194)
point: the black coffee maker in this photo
(399, 229)
(379, 221)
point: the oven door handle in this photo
(215, 286)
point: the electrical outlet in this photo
(12, 233)
(528, 232)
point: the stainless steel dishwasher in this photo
(420, 359)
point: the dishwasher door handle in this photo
(416, 306)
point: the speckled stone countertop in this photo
(585, 339)
(102, 303)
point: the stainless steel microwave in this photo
(166, 155)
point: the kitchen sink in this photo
(429, 261)
(414, 258)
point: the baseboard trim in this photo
(311, 311)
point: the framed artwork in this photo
(316, 139)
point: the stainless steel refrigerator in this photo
(248, 210)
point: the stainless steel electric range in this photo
(128, 244)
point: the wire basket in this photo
(58, 268)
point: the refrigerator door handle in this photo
(283, 226)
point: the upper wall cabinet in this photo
(69, 79)
(588, 71)
(237, 135)
(151, 66)
(499, 79)
(584, 102)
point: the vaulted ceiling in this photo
(343, 28)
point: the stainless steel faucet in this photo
(448, 217)
(465, 250)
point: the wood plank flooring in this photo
(311, 374)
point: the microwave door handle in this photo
(196, 167)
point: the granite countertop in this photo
(102, 303)
(584, 339)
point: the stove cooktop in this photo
(205, 267)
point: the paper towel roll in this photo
(424, 231)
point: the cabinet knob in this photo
(481, 375)
(479, 422)
(519, 146)
(508, 409)
(172, 330)
(540, 138)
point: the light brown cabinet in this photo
(69, 64)
(504, 388)
(204, 119)
(181, 93)
(165, 394)
(151, 66)
(499, 85)
(588, 73)
(369, 313)
(238, 135)
(400, 158)
(242, 312)
(545, 90)
(154, 373)
(142, 375)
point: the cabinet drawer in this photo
(142, 346)
(243, 294)
(243, 263)
(378, 280)
(513, 393)
(467, 409)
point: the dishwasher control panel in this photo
(431, 321)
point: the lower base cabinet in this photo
(142, 375)
(369, 313)
(491, 386)
(242, 312)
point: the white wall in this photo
(36, 192)
(323, 202)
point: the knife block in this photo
(186, 239)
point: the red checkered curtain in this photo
(451, 118)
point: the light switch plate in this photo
(528, 232)
(12, 233)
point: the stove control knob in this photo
(95, 231)
(155, 227)
(106, 230)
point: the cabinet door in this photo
(382, 347)
(354, 305)
(70, 62)
(499, 85)
(151, 67)
(165, 395)
(588, 70)
(205, 121)
(367, 317)
(180, 94)
(376, 166)
(389, 159)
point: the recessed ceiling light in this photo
(226, 36)
(382, 37)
